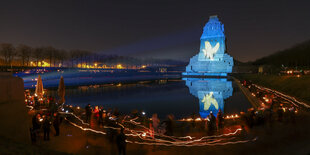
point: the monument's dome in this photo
(214, 28)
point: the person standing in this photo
(280, 113)
(213, 121)
(96, 112)
(169, 125)
(35, 127)
(88, 112)
(121, 142)
(56, 123)
(100, 120)
(156, 122)
(220, 120)
(46, 127)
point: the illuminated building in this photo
(211, 59)
(210, 92)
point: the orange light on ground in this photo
(198, 119)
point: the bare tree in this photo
(56, 56)
(62, 55)
(49, 53)
(8, 52)
(37, 54)
(24, 52)
(73, 54)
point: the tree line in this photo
(296, 56)
(24, 55)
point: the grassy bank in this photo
(291, 85)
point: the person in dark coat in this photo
(213, 121)
(56, 123)
(46, 128)
(220, 119)
(35, 127)
(100, 120)
(36, 103)
(280, 113)
(121, 142)
(35, 122)
(169, 125)
(52, 105)
(292, 114)
(251, 118)
(88, 112)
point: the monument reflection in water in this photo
(211, 93)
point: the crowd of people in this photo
(270, 111)
(45, 116)
(43, 122)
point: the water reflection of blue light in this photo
(210, 92)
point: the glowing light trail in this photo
(290, 99)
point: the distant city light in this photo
(119, 66)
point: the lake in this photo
(180, 97)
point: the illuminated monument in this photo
(211, 59)
(210, 92)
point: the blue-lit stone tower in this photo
(210, 92)
(211, 59)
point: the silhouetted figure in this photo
(211, 123)
(35, 122)
(35, 127)
(52, 105)
(116, 112)
(213, 120)
(220, 119)
(292, 114)
(155, 122)
(96, 112)
(88, 112)
(36, 103)
(56, 123)
(169, 125)
(280, 113)
(100, 120)
(46, 128)
(260, 117)
(243, 132)
(135, 113)
(251, 118)
(121, 142)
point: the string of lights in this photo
(288, 98)
(149, 137)
(174, 141)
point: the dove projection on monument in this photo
(211, 59)
(209, 51)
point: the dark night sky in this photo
(155, 28)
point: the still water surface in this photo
(182, 98)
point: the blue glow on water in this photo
(163, 97)
(211, 93)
